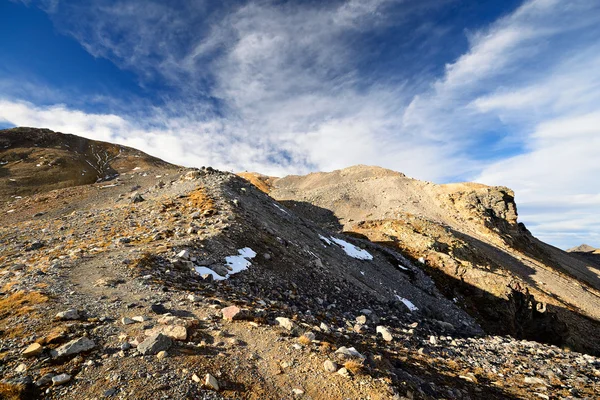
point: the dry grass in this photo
(303, 340)
(200, 200)
(11, 392)
(261, 182)
(326, 347)
(354, 366)
(20, 303)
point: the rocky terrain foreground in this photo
(160, 282)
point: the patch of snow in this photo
(204, 271)
(38, 165)
(408, 304)
(136, 168)
(422, 260)
(403, 267)
(281, 209)
(323, 238)
(235, 264)
(10, 211)
(240, 262)
(352, 250)
(362, 272)
(12, 180)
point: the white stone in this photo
(211, 382)
(60, 379)
(385, 333)
(285, 323)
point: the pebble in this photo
(21, 368)
(60, 379)
(32, 350)
(330, 366)
(285, 323)
(385, 333)
(154, 344)
(68, 314)
(74, 347)
(211, 382)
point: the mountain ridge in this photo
(173, 282)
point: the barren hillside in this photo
(174, 283)
(39, 160)
(468, 238)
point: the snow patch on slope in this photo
(408, 303)
(235, 264)
(352, 250)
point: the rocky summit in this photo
(126, 277)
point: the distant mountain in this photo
(39, 160)
(583, 248)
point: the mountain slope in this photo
(39, 160)
(192, 283)
(468, 237)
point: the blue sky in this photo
(500, 92)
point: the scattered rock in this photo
(330, 366)
(349, 352)
(74, 347)
(137, 198)
(176, 332)
(158, 309)
(211, 382)
(234, 313)
(385, 333)
(69, 314)
(535, 381)
(162, 354)
(154, 344)
(21, 368)
(285, 323)
(32, 350)
(61, 379)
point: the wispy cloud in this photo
(281, 88)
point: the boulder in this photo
(211, 382)
(74, 347)
(68, 314)
(285, 323)
(385, 333)
(155, 344)
(175, 332)
(234, 313)
(32, 350)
